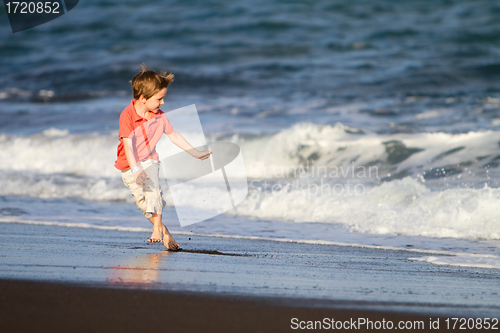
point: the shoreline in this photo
(429, 254)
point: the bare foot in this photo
(169, 241)
(156, 235)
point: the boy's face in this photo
(156, 101)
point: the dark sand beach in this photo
(57, 307)
(89, 280)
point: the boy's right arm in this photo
(139, 176)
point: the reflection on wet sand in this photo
(142, 269)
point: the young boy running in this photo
(142, 124)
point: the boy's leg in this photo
(158, 229)
(156, 236)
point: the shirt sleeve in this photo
(168, 128)
(126, 126)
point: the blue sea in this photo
(361, 123)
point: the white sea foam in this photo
(63, 186)
(479, 261)
(75, 225)
(57, 151)
(398, 207)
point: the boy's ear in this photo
(142, 99)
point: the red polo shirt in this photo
(143, 148)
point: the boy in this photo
(137, 156)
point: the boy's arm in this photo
(140, 175)
(182, 143)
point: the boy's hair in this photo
(148, 83)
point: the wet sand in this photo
(55, 307)
(81, 279)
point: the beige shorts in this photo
(148, 197)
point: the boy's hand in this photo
(203, 155)
(140, 177)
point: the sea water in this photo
(367, 123)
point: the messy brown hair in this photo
(148, 83)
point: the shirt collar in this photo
(133, 112)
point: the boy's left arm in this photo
(182, 143)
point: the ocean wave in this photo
(247, 49)
(314, 149)
(399, 207)
(56, 151)
(309, 147)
